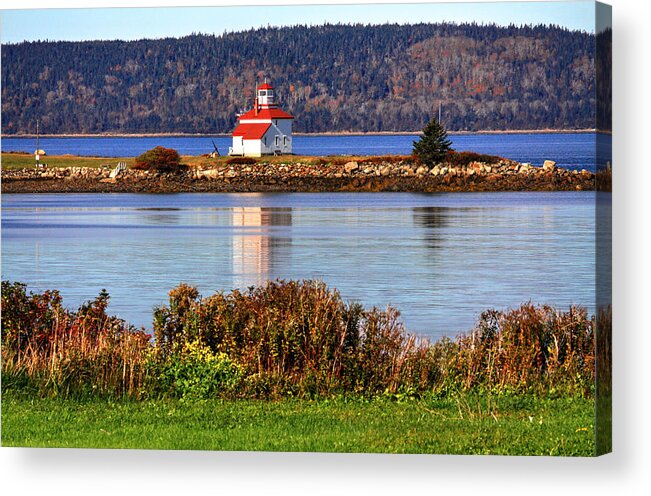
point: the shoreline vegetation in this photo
(458, 172)
(292, 358)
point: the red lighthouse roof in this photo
(265, 86)
(264, 114)
(251, 131)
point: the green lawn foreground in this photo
(467, 424)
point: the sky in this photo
(20, 23)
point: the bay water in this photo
(441, 259)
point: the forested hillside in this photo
(331, 78)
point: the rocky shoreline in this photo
(350, 176)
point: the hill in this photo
(331, 77)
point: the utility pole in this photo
(439, 111)
(36, 153)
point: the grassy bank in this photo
(290, 366)
(18, 161)
(464, 424)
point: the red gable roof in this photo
(265, 86)
(266, 113)
(251, 131)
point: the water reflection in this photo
(257, 245)
(432, 220)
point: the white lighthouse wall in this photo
(283, 129)
(238, 146)
(252, 148)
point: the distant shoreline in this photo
(381, 133)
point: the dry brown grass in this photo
(290, 338)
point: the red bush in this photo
(158, 159)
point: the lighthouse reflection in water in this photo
(259, 246)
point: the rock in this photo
(385, 171)
(209, 174)
(444, 171)
(435, 171)
(351, 167)
(549, 165)
(421, 171)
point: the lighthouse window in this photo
(270, 93)
(263, 93)
(277, 140)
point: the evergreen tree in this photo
(433, 145)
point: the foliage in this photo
(385, 159)
(289, 338)
(466, 158)
(331, 77)
(159, 159)
(52, 350)
(294, 337)
(529, 349)
(195, 371)
(434, 145)
(241, 161)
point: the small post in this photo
(37, 154)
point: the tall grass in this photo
(50, 349)
(286, 338)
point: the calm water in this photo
(571, 150)
(440, 258)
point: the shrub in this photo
(295, 335)
(197, 372)
(433, 146)
(385, 159)
(290, 338)
(464, 159)
(241, 161)
(529, 349)
(158, 159)
(60, 352)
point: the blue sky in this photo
(159, 22)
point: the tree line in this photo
(357, 78)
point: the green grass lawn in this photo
(513, 425)
(15, 161)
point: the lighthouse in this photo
(263, 130)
